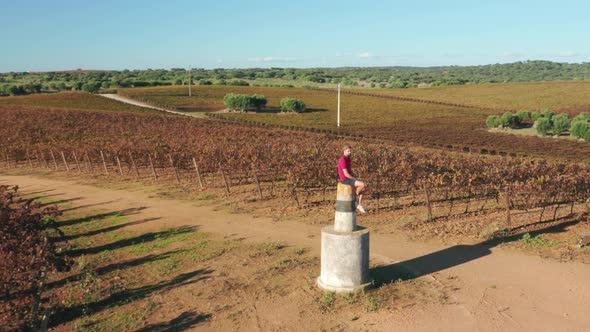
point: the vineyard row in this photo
(188, 173)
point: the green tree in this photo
(257, 101)
(292, 105)
(241, 102)
(561, 123)
(543, 125)
(238, 83)
(546, 113)
(15, 90)
(509, 120)
(492, 121)
(580, 125)
(523, 115)
(91, 87)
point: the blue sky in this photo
(60, 34)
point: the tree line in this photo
(545, 122)
(14, 83)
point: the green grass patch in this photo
(538, 240)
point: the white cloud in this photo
(364, 55)
(568, 54)
(272, 59)
(219, 61)
(510, 54)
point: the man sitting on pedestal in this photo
(346, 176)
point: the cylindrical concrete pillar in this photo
(345, 217)
(345, 260)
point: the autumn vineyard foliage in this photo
(29, 251)
(269, 162)
(188, 150)
(426, 117)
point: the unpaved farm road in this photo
(131, 101)
(492, 289)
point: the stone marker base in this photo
(345, 260)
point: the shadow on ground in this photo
(100, 216)
(108, 229)
(184, 321)
(117, 266)
(67, 314)
(459, 254)
(140, 239)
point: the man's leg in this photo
(360, 188)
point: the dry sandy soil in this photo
(258, 273)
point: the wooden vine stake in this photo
(134, 165)
(104, 163)
(119, 164)
(29, 160)
(198, 174)
(77, 162)
(44, 160)
(257, 182)
(152, 167)
(174, 167)
(38, 159)
(7, 160)
(227, 191)
(89, 164)
(378, 187)
(507, 204)
(428, 204)
(63, 156)
(53, 158)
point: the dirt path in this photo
(492, 289)
(130, 101)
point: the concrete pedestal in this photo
(345, 260)
(345, 247)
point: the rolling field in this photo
(426, 124)
(533, 96)
(70, 100)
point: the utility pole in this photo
(338, 121)
(189, 82)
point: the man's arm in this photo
(348, 175)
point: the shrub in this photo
(257, 101)
(581, 117)
(523, 115)
(242, 102)
(535, 116)
(543, 125)
(205, 82)
(561, 123)
(492, 121)
(28, 252)
(236, 101)
(580, 126)
(547, 114)
(238, 83)
(292, 105)
(509, 120)
(92, 87)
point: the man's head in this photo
(346, 151)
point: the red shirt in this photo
(344, 163)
